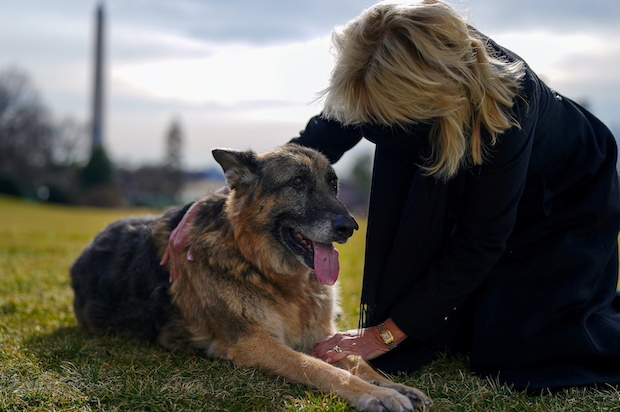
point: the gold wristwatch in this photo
(386, 336)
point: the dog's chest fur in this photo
(222, 297)
(299, 318)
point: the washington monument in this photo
(97, 114)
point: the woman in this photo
(494, 209)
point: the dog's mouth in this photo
(321, 257)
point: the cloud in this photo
(565, 16)
(240, 21)
(230, 75)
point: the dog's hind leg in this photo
(272, 356)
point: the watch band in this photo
(386, 336)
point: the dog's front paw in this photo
(419, 401)
(385, 400)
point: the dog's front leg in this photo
(360, 368)
(267, 353)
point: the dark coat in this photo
(515, 261)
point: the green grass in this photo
(48, 363)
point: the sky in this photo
(245, 74)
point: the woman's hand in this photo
(360, 342)
(365, 343)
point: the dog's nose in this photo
(344, 225)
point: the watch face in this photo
(386, 336)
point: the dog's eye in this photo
(297, 181)
(334, 184)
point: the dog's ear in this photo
(239, 167)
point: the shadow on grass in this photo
(74, 345)
(113, 372)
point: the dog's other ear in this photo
(239, 167)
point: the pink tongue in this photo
(326, 264)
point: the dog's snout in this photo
(344, 225)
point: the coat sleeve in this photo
(328, 137)
(485, 219)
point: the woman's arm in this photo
(328, 137)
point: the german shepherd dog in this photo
(258, 291)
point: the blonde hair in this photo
(402, 64)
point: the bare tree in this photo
(173, 181)
(35, 152)
(26, 131)
(160, 184)
(174, 144)
(70, 143)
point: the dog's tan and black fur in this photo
(251, 294)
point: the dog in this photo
(259, 289)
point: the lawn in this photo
(48, 363)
